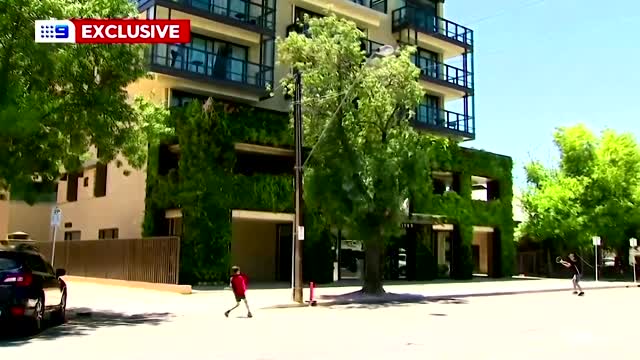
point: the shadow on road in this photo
(82, 322)
(358, 300)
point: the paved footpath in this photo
(131, 301)
(141, 324)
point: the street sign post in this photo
(633, 243)
(596, 242)
(56, 219)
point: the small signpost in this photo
(633, 243)
(596, 242)
(56, 219)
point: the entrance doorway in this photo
(284, 254)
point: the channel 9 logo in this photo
(55, 31)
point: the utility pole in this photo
(298, 228)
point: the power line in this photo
(503, 12)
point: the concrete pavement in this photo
(160, 325)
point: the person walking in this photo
(238, 283)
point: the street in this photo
(602, 324)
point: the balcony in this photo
(430, 118)
(445, 75)
(241, 13)
(370, 47)
(435, 26)
(377, 5)
(205, 66)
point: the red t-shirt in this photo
(239, 283)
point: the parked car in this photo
(30, 290)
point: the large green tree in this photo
(593, 190)
(58, 100)
(367, 158)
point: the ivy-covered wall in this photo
(464, 212)
(206, 189)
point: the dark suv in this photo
(29, 288)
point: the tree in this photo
(367, 158)
(593, 191)
(58, 100)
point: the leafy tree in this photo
(367, 159)
(58, 100)
(595, 190)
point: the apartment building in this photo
(232, 58)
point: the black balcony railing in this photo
(434, 118)
(423, 21)
(243, 11)
(371, 47)
(377, 5)
(435, 70)
(210, 65)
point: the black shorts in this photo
(576, 277)
(240, 297)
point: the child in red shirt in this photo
(238, 284)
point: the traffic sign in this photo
(596, 240)
(56, 217)
(633, 242)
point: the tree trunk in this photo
(373, 268)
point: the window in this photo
(427, 62)
(429, 111)
(175, 226)
(36, 264)
(85, 182)
(7, 262)
(71, 235)
(107, 234)
(72, 187)
(179, 98)
(210, 57)
(100, 183)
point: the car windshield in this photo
(7, 262)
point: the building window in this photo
(429, 111)
(175, 226)
(179, 98)
(100, 184)
(71, 235)
(72, 186)
(85, 182)
(107, 234)
(208, 56)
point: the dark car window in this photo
(36, 264)
(7, 263)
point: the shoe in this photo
(581, 293)
(226, 313)
(249, 315)
(575, 292)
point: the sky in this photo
(543, 64)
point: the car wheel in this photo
(38, 316)
(60, 315)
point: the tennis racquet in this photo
(559, 260)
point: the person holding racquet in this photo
(572, 265)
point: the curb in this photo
(178, 289)
(414, 299)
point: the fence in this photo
(153, 260)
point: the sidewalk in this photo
(419, 293)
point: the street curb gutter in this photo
(415, 299)
(178, 289)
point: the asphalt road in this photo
(602, 324)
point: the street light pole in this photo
(298, 229)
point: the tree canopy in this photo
(59, 100)
(593, 191)
(367, 159)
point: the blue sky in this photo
(542, 64)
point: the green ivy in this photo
(464, 212)
(205, 188)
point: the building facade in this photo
(232, 58)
